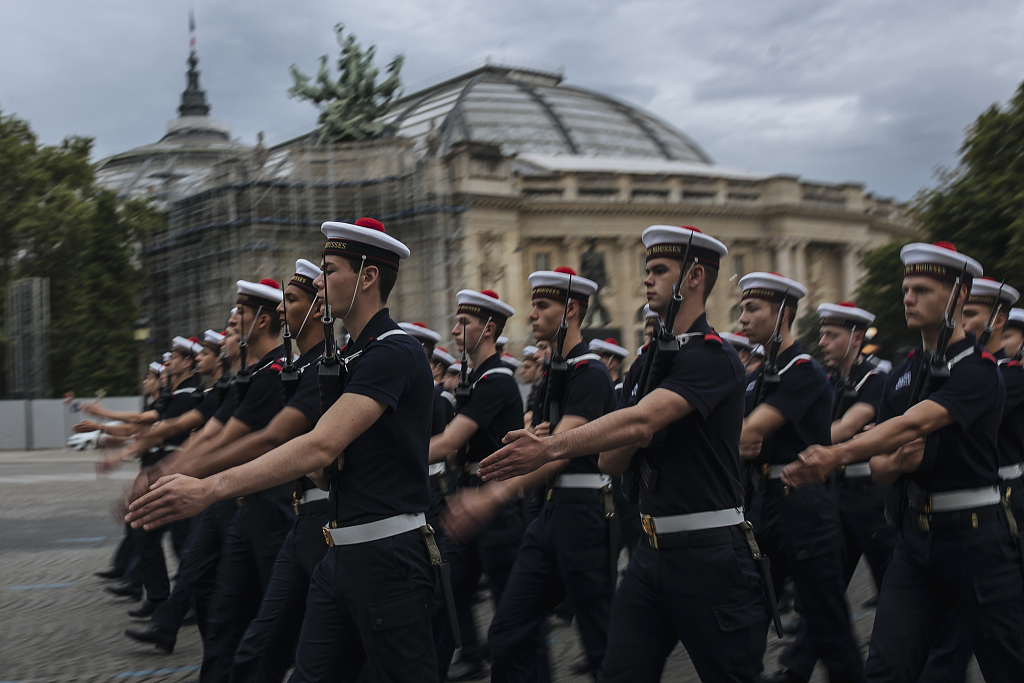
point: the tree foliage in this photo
(978, 206)
(55, 223)
(352, 105)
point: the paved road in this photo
(57, 625)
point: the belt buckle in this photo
(240, 501)
(328, 538)
(649, 529)
(295, 502)
(922, 522)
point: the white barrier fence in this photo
(46, 423)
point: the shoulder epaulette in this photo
(989, 357)
(712, 339)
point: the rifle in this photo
(463, 390)
(244, 376)
(558, 369)
(331, 384)
(933, 368)
(289, 375)
(657, 359)
(223, 382)
(986, 334)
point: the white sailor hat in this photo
(187, 346)
(844, 314)
(455, 367)
(985, 290)
(552, 284)
(501, 341)
(420, 331)
(648, 313)
(266, 293)
(212, 340)
(1016, 319)
(939, 260)
(738, 340)
(233, 311)
(485, 304)
(441, 354)
(530, 351)
(771, 287)
(365, 238)
(305, 273)
(155, 368)
(510, 361)
(167, 356)
(609, 346)
(670, 241)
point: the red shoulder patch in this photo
(276, 367)
(713, 338)
(1013, 363)
(581, 363)
(803, 360)
(911, 354)
(989, 357)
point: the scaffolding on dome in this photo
(260, 211)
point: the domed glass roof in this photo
(532, 111)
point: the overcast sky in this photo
(878, 91)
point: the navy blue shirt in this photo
(495, 405)
(967, 455)
(865, 379)
(385, 468)
(184, 398)
(264, 399)
(804, 398)
(227, 408)
(589, 393)
(441, 413)
(306, 398)
(698, 463)
(213, 399)
(1011, 429)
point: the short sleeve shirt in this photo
(184, 398)
(439, 414)
(385, 468)
(264, 398)
(495, 405)
(967, 456)
(865, 380)
(212, 401)
(1011, 429)
(804, 397)
(306, 398)
(227, 408)
(589, 393)
(698, 462)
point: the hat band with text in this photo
(256, 301)
(772, 295)
(480, 312)
(935, 270)
(352, 249)
(839, 322)
(558, 294)
(676, 251)
(303, 282)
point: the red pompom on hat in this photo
(776, 274)
(491, 293)
(270, 283)
(419, 324)
(566, 270)
(612, 340)
(945, 245)
(847, 304)
(691, 229)
(194, 340)
(371, 223)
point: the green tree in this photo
(978, 206)
(51, 215)
(351, 105)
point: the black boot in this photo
(110, 574)
(126, 590)
(144, 611)
(783, 676)
(465, 671)
(155, 635)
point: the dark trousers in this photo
(197, 571)
(246, 562)
(268, 647)
(369, 612)
(865, 532)
(564, 555)
(799, 531)
(710, 598)
(630, 528)
(493, 552)
(125, 551)
(975, 572)
(151, 570)
(951, 653)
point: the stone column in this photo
(781, 250)
(851, 254)
(799, 262)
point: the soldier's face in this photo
(543, 352)
(662, 274)
(545, 317)
(924, 301)
(178, 364)
(976, 317)
(757, 320)
(835, 342)
(150, 383)
(467, 327)
(527, 370)
(299, 301)
(206, 362)
(229, 344)
(341, 282)
(1012, 338)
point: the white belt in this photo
(950, 501)
(374, 531)
(697, 521)
(436, 468)
(775, 471)
(858, 469)
(582, 481)
(474, 467)
(309, 495)
(1011, 472)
